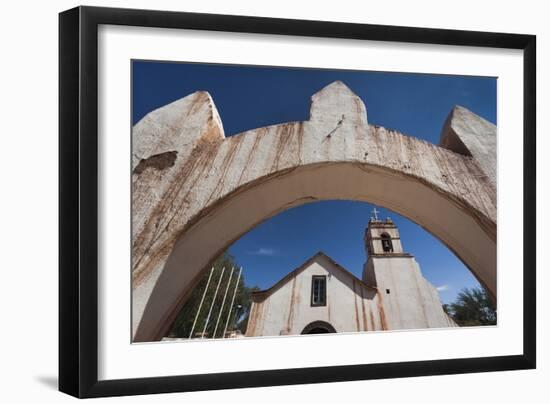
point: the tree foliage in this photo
(472, 307)
(238, 313)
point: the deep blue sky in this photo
(248, 97)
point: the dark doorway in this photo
(318, 327)
(318, 330)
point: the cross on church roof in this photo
(375, 213)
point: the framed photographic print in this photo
(251, 201)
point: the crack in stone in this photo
(340, 122)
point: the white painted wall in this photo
(409, 300)
(351, 306)
(412, 302)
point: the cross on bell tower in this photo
(375, 214)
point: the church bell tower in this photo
(383, 247)
(407, 299)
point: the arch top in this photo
(469, 134)
(337, 104)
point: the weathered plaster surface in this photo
(351, 306)
(412, 302)
(469, 134)
(162, 146)
(217, 189)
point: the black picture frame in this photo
(78, 196)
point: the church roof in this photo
(267, 292)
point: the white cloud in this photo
(263, 251)
(442, 288)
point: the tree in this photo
(472, 307)
(238, 313)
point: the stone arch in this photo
(188, 209)
(315, 327)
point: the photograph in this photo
(274, 201)
(296, 200)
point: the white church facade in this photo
(321, 296)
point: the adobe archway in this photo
(196, 192)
